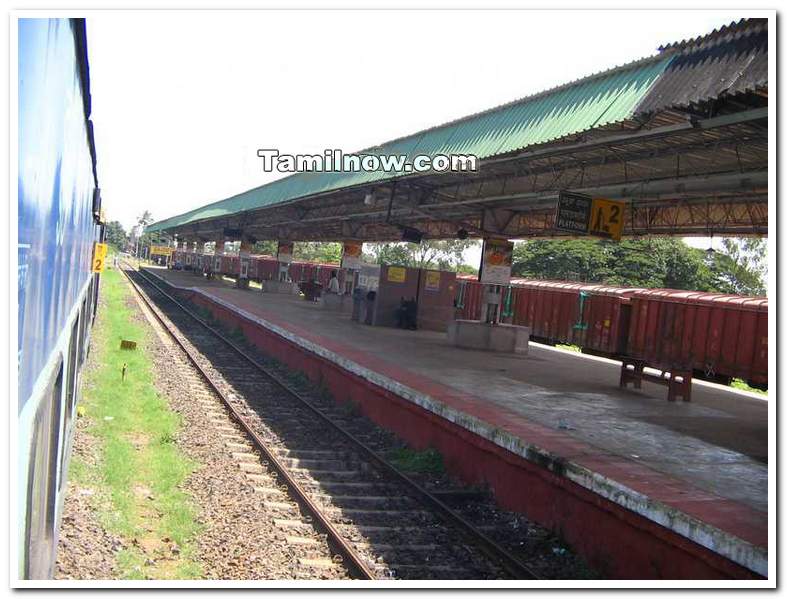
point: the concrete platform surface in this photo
(699, 468)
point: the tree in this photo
(660, 262)
(268, 247)
(145, 219)
(115, 235)
(741, 267)
(570, 260)
(441, 254)
(319, 251)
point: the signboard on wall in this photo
(285, 251)
(432, 282)
(397, 274)
(496, 261)
(99, 257)
(351, 255)
(581, 214)
(573, 213)
(368, 282)
(161, 250)
(606, 218)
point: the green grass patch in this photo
(140, 469)
(569, 347)
(428, 461)
(743, 386)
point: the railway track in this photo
(378, 521)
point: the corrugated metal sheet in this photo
(732, 60)
(592, 102)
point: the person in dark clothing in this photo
(406, 314)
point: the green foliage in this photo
(466, 269)
(115, 235)
(444, 254)
(424, 462)
(744, 386)
(569, 347)
(650, 263)
(268, 247)
(742, 266)
(319, 251)
(139, 473)
(570, 260)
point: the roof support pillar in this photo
(244, 254)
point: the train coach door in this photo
(42, 482)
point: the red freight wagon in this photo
(551, 309)
(720, 335)
(230, 265)
(308, 272)
(594, 317)
(267, 269)
(296, 271)
(468, 299)
(321, 272)
(251, 273)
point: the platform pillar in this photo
(284, 251)
(495, 272)
(244, 255)
(214, 263)
(199, 257)
(176, 259)
(492, 298)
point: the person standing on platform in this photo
(333, 284)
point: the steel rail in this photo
(356, 566)
(491, 549)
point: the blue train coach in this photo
(59, 222)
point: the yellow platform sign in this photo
(433, 280)
(99, 257)
(396, 274)
(161, 250)
(606, 218)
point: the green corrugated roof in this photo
(585, 104)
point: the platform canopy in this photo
(681, 137)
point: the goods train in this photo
(59, 222)
(684, 334)
(261, 268)
(687, 333)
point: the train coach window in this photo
(90, 297)
(71, 392)
(41, 481)
(96, 283)
(83, 330)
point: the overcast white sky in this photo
(182, 100)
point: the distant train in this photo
(687, 334)
(59, 222)
(261, 268)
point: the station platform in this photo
(644, 488)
